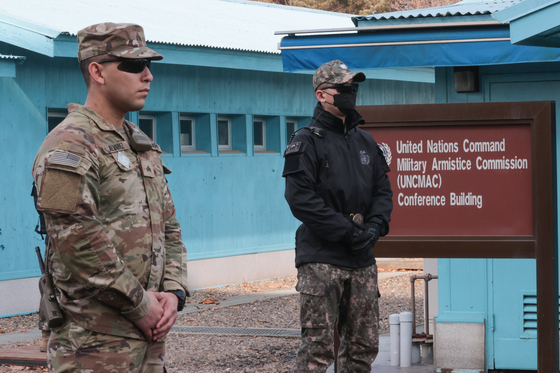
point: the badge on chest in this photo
(123, 160)
(147, 168)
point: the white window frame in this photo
(260, 148)
(187, 148)
(288, 122)
(228, 146)
(55, 114)
(154, 123)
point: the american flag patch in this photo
(65, 158)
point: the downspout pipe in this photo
(427, 277)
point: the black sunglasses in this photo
(130, 65)
(344, 88)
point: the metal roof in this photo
(11, 57)
(463, 8)
(229, 24)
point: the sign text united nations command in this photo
(461, 180)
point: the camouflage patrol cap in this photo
(124, 40)
(335, 72)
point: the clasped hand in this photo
(163, 313)
(364, 238)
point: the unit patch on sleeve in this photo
(293, 155)
(293, 148)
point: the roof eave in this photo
(533, 22)
(27, 39)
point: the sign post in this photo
(475, 181)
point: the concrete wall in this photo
(201, 274)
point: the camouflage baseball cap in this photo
(124, 40)
(335, 72)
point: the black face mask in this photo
(345, 102)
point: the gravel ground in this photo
(217, 353)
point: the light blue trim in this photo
(17, 275)
(283, 134)
(538, 28)
(421, 74)
(249, 135)
(29, 26)
(7, 68)
(214, 57)
(237, 252)
(17, 314)
(133, 117)
(461, 317)
(66, 46)
(490, 325)
(176, 130)
(214, 134)
(26, 39)
(196, 155)
(522, 9)
(232, 154)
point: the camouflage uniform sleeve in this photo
(89, 264)
(175, 277)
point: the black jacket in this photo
(334, 169)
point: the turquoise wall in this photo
(228, 204)
(494, 290)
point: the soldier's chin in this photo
(136, 106)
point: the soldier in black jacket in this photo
(337, 186)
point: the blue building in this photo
(486, 312)
(221, 107)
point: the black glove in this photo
(364, 239)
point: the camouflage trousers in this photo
(349, 297)
(74, 349)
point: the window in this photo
(291, 126)
(147, 124)
(224, 133)
(259, 132)
(55, 117)
(187, 134)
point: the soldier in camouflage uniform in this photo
(117, 258)
(337, 186)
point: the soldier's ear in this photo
(320, 95)
(96, 72)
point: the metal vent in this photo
(290, 333)
(530, 315)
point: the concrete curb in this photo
(400, 264)
(17, 337)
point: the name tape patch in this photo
(115, 147)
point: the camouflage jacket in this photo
(111, 221)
